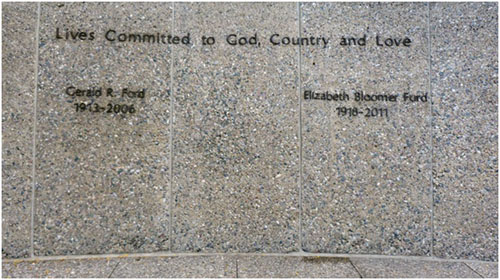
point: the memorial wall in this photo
(343, 128)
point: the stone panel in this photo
(85, 268)
(177, 267)
(102, 179)
(400, 268)
(18, 98)
(366, 178)
(486, 270)
(465, 129)
(235, 141)
(295, 267)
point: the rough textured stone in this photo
(102, 178)
(465, 122)
(177, 267)
(366, 179)
(87, 268)
(486, 270)
(18, 97)
(295, 267)
(397, 268)
(235, 141)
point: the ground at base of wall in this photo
(245, 266)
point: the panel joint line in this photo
(33, 177)
(300, 128)
(171, 119)
(431, 127)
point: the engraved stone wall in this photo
(352, 128)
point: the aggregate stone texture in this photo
(464, 84)
(236, 125)
(486, 270)
(86, 268)
(295, 267)
(366, 179)
(18, 96)
(102, 178)
(398, 268)
(177, 267)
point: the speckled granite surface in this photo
(244, 177)
(102, 178)
(235, 141)
(86, 268)
(366, 179)
(486, 270)
(18, 92)
(465, 87)
(295, 267)
(246, 266)
(393, 268)
(177, 267)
